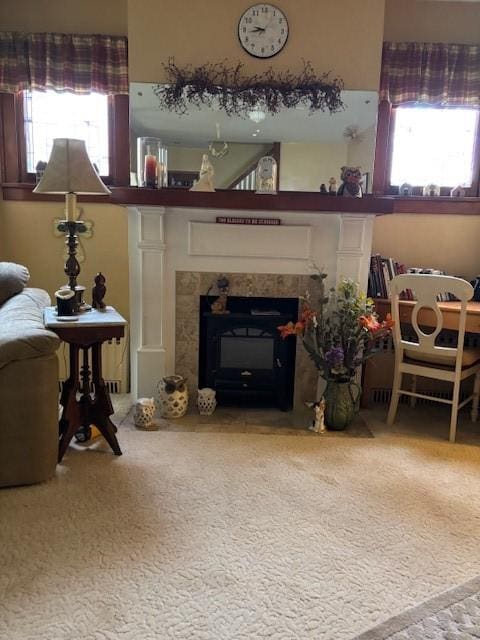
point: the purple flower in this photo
(334, 357)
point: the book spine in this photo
(386, 277)
(382, 284)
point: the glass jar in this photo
(149, 152)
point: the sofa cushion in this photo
(22, 332)
(13, 279)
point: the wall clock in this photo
(263, 30)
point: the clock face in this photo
(263, 30)
(265, 166)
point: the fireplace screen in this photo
(246, 352)
(242, 355)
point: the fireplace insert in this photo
(242, 355)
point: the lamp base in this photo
(72, 267)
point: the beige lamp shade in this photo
(69, 170)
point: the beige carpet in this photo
(453, 615)
(206, 536)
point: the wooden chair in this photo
(424, 358)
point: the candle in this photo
(71, 205)
(150, 171)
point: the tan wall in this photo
(427, 21)
(27, 233)
(447, 242)
(343, 36)
(303, 167)
(26, 228)
(66, 16)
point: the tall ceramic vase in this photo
(172, 396)
(342, 401)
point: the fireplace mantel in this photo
(167, 240)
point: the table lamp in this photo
(70, 172)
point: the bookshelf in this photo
(382, 270)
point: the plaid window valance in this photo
(433, 73)
(79, 63)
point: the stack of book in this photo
(382, 270)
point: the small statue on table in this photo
(332, 186)
(98, 292)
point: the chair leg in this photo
(413, 400)
(476, 393)
(392, 411)
(454, 414)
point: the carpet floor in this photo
(453, 615)
(220, 536)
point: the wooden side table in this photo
(85, 336)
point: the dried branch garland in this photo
(225, 87)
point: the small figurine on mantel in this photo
(98, 292)
(332, 186)
(323, 189)
(351, 186)
(219, 305)
(205, 181)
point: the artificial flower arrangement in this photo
(342, 332)
(339, 335)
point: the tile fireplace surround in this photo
(175, 255)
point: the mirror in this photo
(310, 148)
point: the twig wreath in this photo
(226, 88)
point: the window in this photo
(48, 115)
(29, 121)
(433, 146)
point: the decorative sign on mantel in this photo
(238, 220)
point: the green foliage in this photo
(342, 331)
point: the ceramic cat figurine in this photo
(318, 424)
(220, 304)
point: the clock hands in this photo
(257, 29)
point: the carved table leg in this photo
(71, 418)
(101, 407)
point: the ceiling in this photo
(200, 126)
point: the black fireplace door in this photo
(247, 359)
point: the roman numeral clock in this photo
(263, 30)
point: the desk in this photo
(378, 371)
(426, 317)
(87, 334)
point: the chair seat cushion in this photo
(469, 358)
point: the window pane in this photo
(50, 115)
(433, 146)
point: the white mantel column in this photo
(146, 242)
(354, 247)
